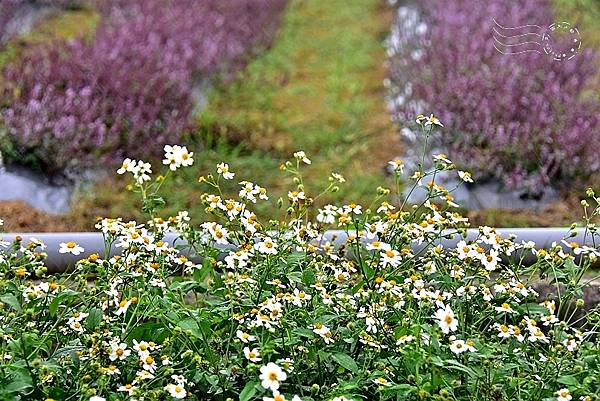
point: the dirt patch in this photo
(18, 216)
(561, 213)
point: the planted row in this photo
(72, 104)
(521, 118)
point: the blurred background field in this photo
(298, 75)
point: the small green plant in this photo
(238, 308)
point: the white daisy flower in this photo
(465, 176)
(397, 166)
(390, 257)
(446, 319)
(271, 375)
(127, 388)
(295, 196)
(127, 166)
(253, 355)
(70, 247)
(223, 170)
(458, 346)
(176, 390)
(245, 337)
(267, 246)
(300, 155)
(118, 351)
(505, 307)
(563, 395)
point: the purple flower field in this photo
(522, 118)
(129, 89)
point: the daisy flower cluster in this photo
(334, 302)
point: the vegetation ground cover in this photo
(272, 311)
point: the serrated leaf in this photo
(12, 301)
(191, 325)
(94, 318)
(346, 361)
(295, 277)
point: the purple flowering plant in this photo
(523, 119)
(128, 89)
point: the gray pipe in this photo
(94, 242)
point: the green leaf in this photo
(19, 387)
(191, 325)
(452, 364)
(202, 273)
(248, 391)
(94, 319)
(568, 380)
(308, 277)
(12, 301)
(20, 381)
(294, 259)
(295, 277)
(63, 296)
(184, 286)
(345, 361)
(302, 332)
(152, 202)
(535, 308)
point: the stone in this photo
(19, 183)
